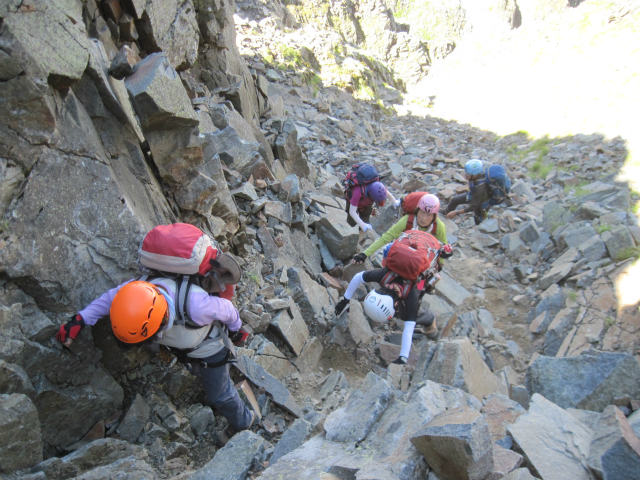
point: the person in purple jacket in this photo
(145, 310)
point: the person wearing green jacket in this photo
(425, 218)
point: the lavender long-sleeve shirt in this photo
(203, 308)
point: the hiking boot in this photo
(400, 361)
(432, 331)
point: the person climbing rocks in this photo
(401, 285)
(488, 186)
(363, 189)
(424, 217)
(145, 311)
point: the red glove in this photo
(239, 337)
(70, 330)
(228, 292)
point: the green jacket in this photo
(400, 226)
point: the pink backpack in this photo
(181, 251)
(177, 248)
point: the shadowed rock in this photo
(455, 445)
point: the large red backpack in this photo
(412, 253)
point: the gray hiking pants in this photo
(220, 391)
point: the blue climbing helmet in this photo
(377, 192)
(474, 167)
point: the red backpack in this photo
(409, 204)
(412, 254)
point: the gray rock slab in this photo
(101, 458)
(455, 445)
(555, 274)
(319, 458)
(246, 191)
(289, 152)
(235, 150)
(504, 461)
(358, 325)
(575, 234)
(158, 94)
(450, 289)
(263, 379)
(173, 28)
(126, 469)
(618, 241)
(513, 245)
(352, 422)
(135, 419)
(14, 379)
(308, 294)
(20, 437)
(615, 448)
(555, 215)
(271, 359)
(481, 241)
(490, 225)
(292, 438)
(235, 459)
(457, 363)
(292, 327)
(28, 40)
(557, 331)
(593, 249)
(279, 210)
(554, 442)
(519, 474)
(634, 421)
(500, 411)
(591, 380)
(337, 235)
(529, 232)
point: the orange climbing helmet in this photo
(137, 312)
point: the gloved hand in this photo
(239, 337)
(341, 306)
(397, 203)
(359, 258)
(446, 251)
(366, 227)
(70, 330)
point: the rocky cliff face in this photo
(121, 115)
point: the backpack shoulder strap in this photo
(410, 219)
(183, 287)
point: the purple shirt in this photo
(359, 200)
(203, 308)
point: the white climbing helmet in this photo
(379, 307)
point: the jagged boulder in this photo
(235, 459)
(27, 33)
(353, 422)
(554, 442)
(615, 449)
(169, 26)
(455, 445)
(591, 380)
(457, 363)
(20, 437)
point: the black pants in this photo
(479, 214)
